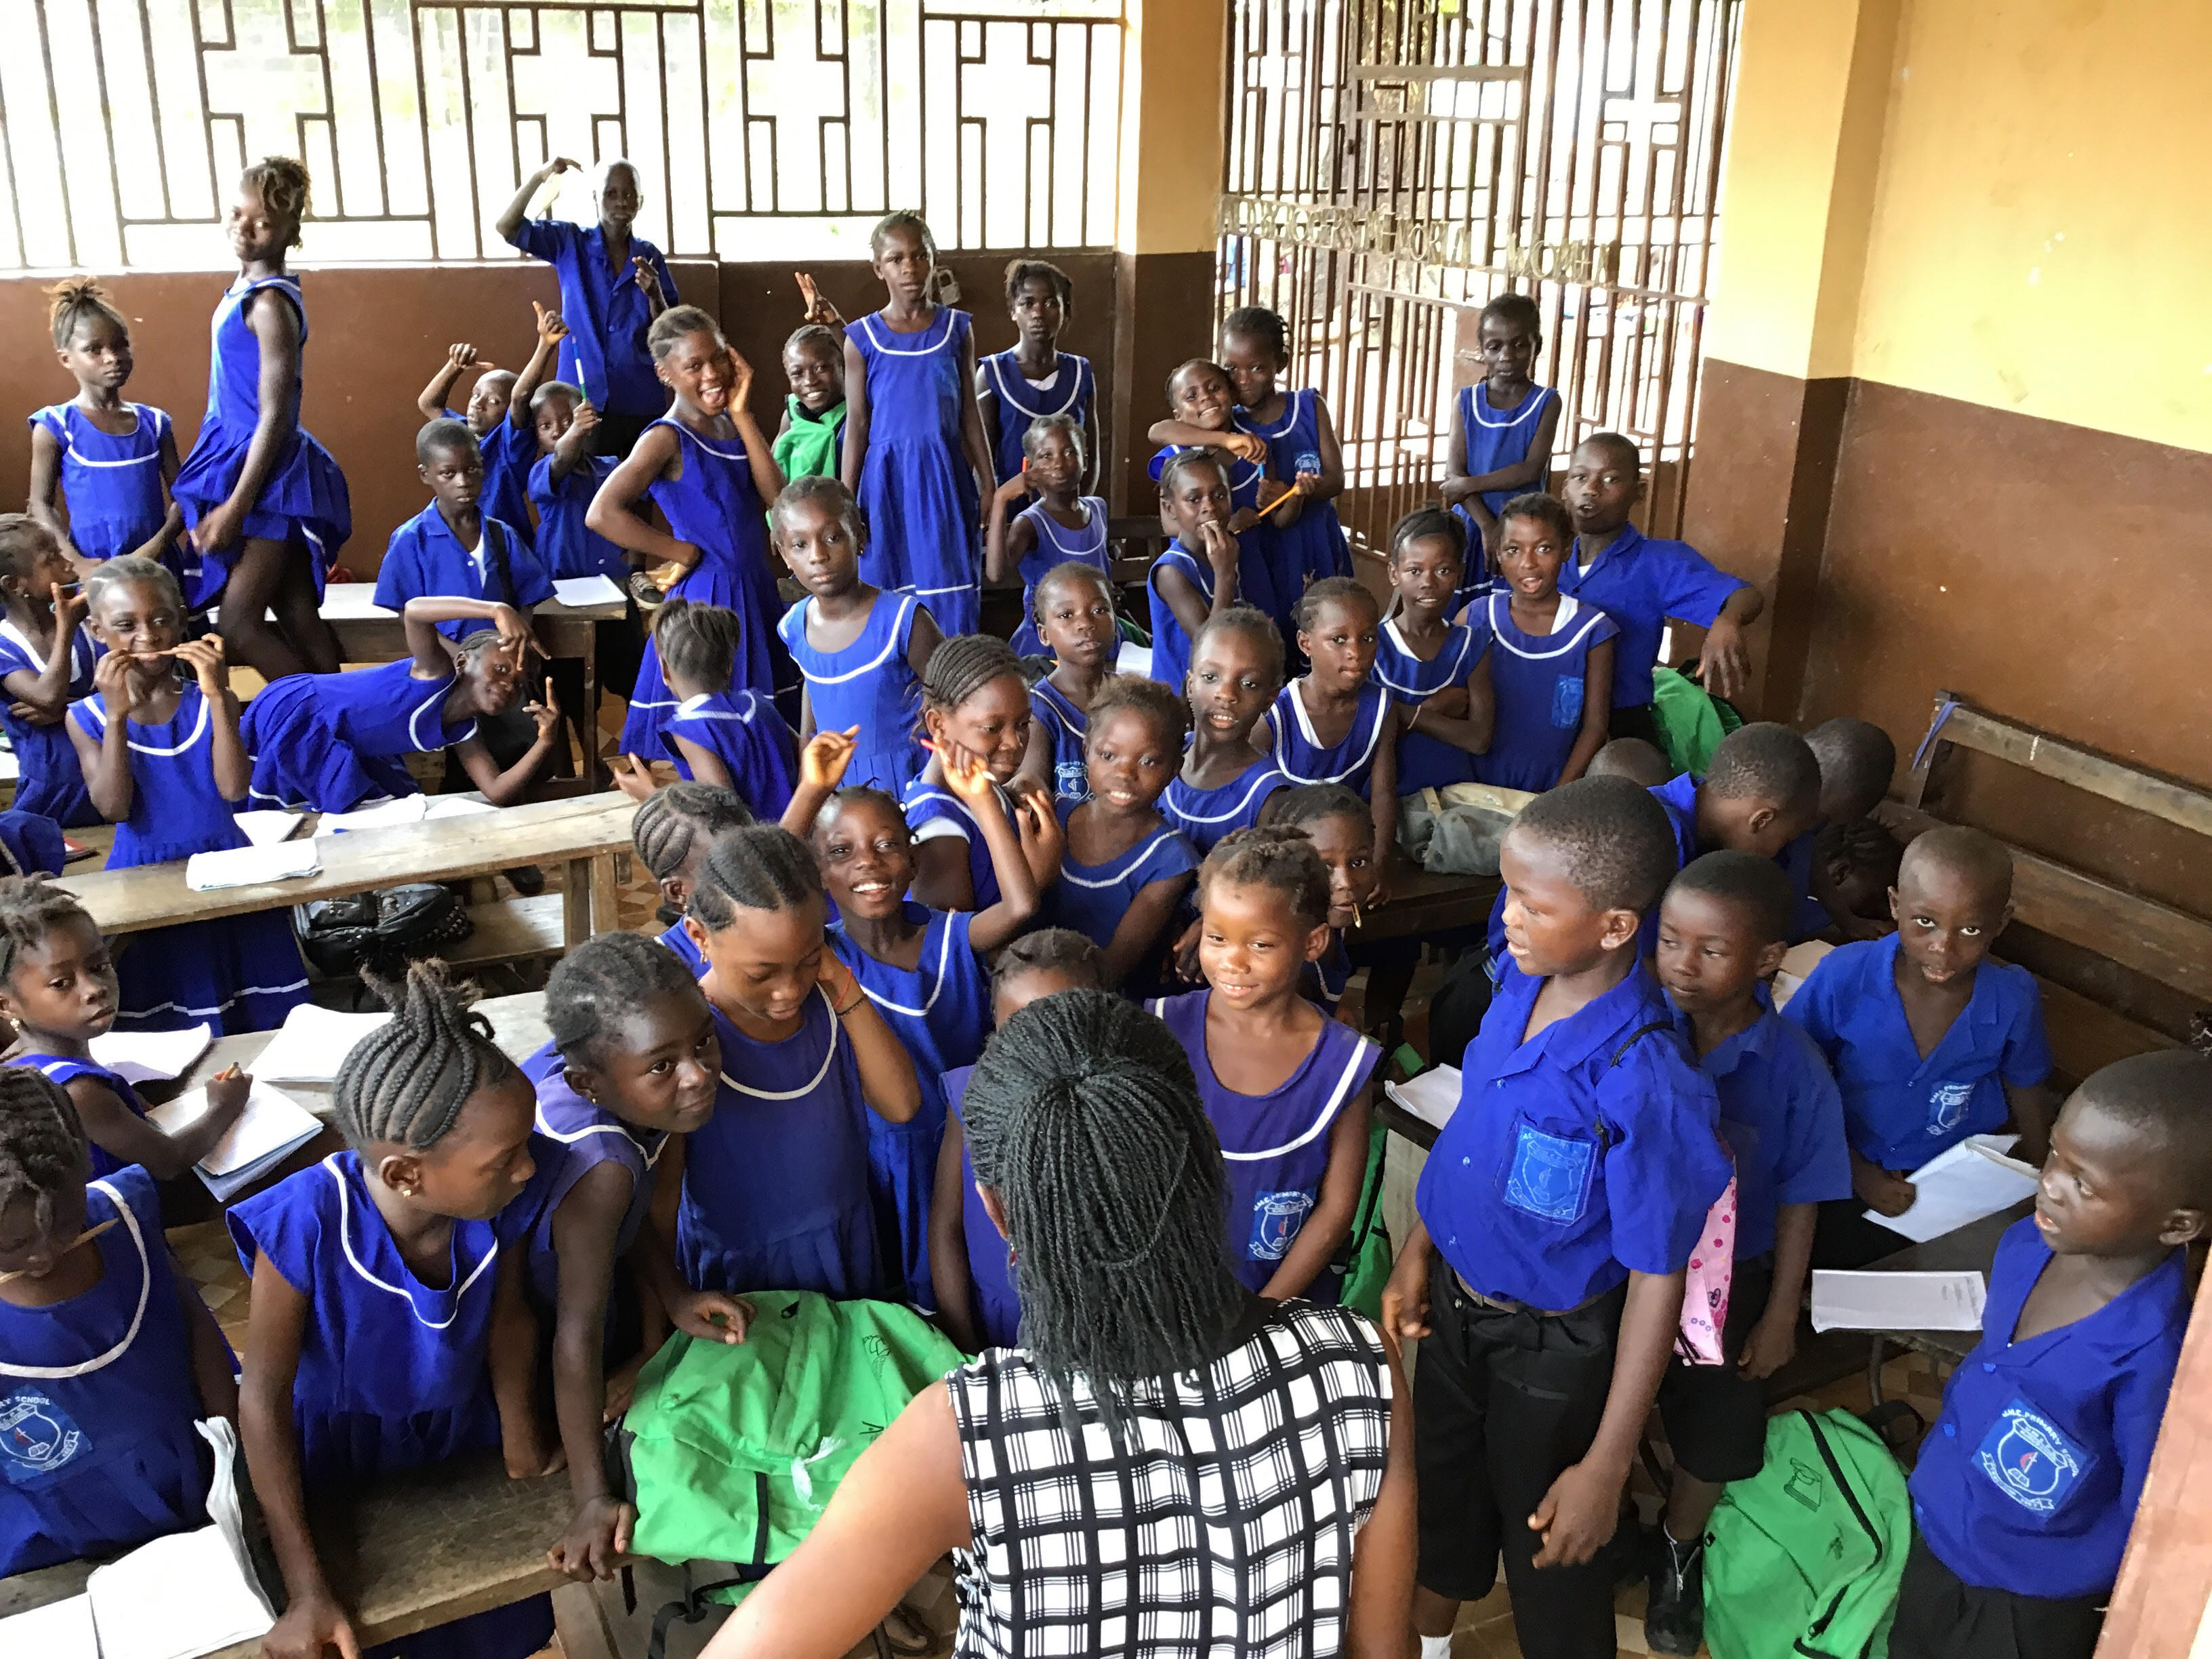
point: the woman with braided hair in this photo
(107, 1354)
(1168, 1467)
(389, 1324)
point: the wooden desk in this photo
(1422, 904)
(584, 833)
(1969, 1248)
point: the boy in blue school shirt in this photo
(452, 547)
(1641, 581)
(1723, 927)
(1930, 1042)
(2025, 1484)
(1558, 1210)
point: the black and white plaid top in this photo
(1227, 1528)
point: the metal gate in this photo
(1393, 164)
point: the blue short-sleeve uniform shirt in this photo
(1782, 1119)
(2030, 1477)
(1640, 581)
(1900, 1110)
(607, 313)
(1576, 1156)
(426, 557)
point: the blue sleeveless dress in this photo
(745, 732)
(1301, 757)
(98, 1454)
(1496, 439)
(48, 780)
(304, 501)
(1538, 681)
(392, 1372)
(1323, 983)
(942, 1012)
(330, 743)
(1255, 547)
(686, 952)
(1069, 393)
(1056, 545)
(64, 1069)
(111, 486)
(586, 1137)
(238, 972)
(1424, 762)
(1274, 1147)
(1314, 547)
(996, 1306)
(1069, 728)
(715, 506)
(870, 683)
(775, 1183)
(1205, 815)
(925, 521)
(1092, 898)
(933, 803)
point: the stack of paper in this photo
(1433, 1096)
(265, 827)
(408, 809)
(245, 866)
(1972, 1180)
(270, 1129)
(152, 1056)
(313, 1044)
(1897, 1302)
(581, 590)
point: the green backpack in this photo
(1690, 719)
(1365, 1257)
(1805, 1557)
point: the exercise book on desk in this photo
(247, 867)
(59, 1630)
(312, 1044)
(1433, 1096)
(271, 1129)
(152, 1056)
(1969, 1180)
(582, 591)
(408, 809)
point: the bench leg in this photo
(576, 903)
(605, 899)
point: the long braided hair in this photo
(42, 1146)
(1084, 1116)
(405, 1082)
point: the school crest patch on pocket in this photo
(2030, 1460)
(37, 1437)
(1550, 1176)
(1947, 1107)
(1276, 1218)
(1567, 702)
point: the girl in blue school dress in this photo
(265, 506)
(1551, 661)
(671, 834)
(1033, 379)
(1203, 570)
(734, 738)
(1202, 402)
(976, 1303)
(1342, 830)
(1503, 428)
(915, 454)
(861, 650)
(1309, 542)
(330, 742)
(1288, 1088)
(110, 461)
(1074, 611)
(1235, 670)
(162, 758)
(45, 663)
(923, 969)
(1060, 525)
(1334, 723)
(1435, 668)
(974, 703)
(710, 472)
(107, 1354)
(773, 1188)
(391, 1328)
(1125, 870)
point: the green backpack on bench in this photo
(1805, 1556)
(732, 1451)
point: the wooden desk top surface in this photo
(1969, 1248)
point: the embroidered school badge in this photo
(1550, 1176)
(37, 1437)
(1276, 1218)
(1947, 1107)
(2028, 1458)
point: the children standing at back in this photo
(1552, 671)
(1288, 1089)
(1503, 428)
(2027, 1486)
(720, 732)
(1931, 1042)
(1074, 614)
(1334, 723)
(1558, 1211)
(1236, 669)
(499, 413)
(163, 761)
(916, 455)
(110, 461)
(1059, 527)
(1302, 449)
(45, 663)
(973, 702)
(1034, 379)
(1435, 667)
(1723, 927)
(107, 1354)
(860, 651)
(810, 443)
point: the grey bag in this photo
(1457, 831)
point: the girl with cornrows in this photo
(1145, 1367)
(390, 1327)
(974, 703)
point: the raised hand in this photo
(646, 278)
(1219, 547)
(741, 380)
(822, 763)
(818, 310)
(68, 608)
(966, 774)
(514, 633)
(546, 713)
(638, 785)
(463, 356)
(1244, 445)
(550, 323)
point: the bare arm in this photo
(47, 691)
(973, 437)
(1724, 662)
(45, 503)
(551, 330)
(923, 642)
(1142, 924)
(419, 620)
(130, 1139)
(1008, 539)
(1457, 486)
(233, 766)
(1533, 470)
(1597, 711)
(210, 1355)
(584, 1227)
(1382, 791)
(1773, 1340)
(1017, 882)
(948, 1243)
(706, 765)
(1329, 1223)
(505, 788)
(106, 760)
(887, 1079)
(613, 511)
(1329, 484)
(430, 402)
(1381, 1625)
(854, 453)
(2033, 1109)
(517, 207)
(1245, 446)
(173, 521)
(511, 1357)
(941, 877)
(760, 454)
(1094, 458)
(1461, 715)
(570, 448)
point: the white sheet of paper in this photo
(1433, 1096)
(1897, 1302)
(266, 827)
(272, 1123)
(245, 866)
(1134, 658)
(59, 1630)
(1802, 960)
(175, 1598)
(344, 601)
(586, 590)
(1959, 1186)
(312, 1044)
(408, 809)
(455, 806)
(152, 1056)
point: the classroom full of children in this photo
(906, 869)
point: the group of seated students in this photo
(890, 832)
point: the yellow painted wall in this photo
(1171, 128)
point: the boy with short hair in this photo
(1761, 793)
(1558, 1210)
(499, 414)
(454, 546)
(1723, 927)
(1930, 1042)
(2028, 1482)
(1641, 581)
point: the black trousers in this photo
(1940, 1616)
(1503, 1403)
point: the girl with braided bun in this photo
(389, 1326)
(772, 1190)
(107, 1354)
(1080, 1476)
(976, 703)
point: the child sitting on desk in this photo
(1930, 1041)
(2026, 1484)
